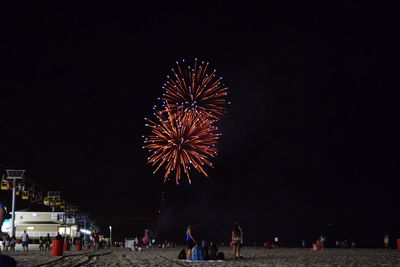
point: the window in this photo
(62, 231)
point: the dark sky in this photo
(309, 140)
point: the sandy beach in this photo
(252, 257)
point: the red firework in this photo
(195, 90)
(178, 141)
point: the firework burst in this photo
(195, 90)
(178, 141)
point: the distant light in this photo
(85, 231)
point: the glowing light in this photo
(85, 231)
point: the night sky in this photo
(310, 141)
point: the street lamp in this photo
(110, 235)
(14, 175)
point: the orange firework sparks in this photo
(195, 90)
(179, 141)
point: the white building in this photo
(39, 224)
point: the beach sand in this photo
(283, 257)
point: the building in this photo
(39, 224)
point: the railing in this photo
(18, 234)
(70, 221)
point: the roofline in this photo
(19, 211)
(36, 224)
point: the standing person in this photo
(235, 240)
(146, 238)
(58, 236)
(12, 243)
(276, 242)
(241, 235)
(322, 239)
(47, 242)
(386, 240)
(303, 243)
(25, 240)
(96, 241)
(84, 243)
(41, 243)
(7, 239)
(190, 241)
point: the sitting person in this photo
(197, 253)
(135, 244)
(205, 248)
(182, 255)
(220, 256)
(212, 251)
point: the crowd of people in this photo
(88, 242)
(93, 241)
(198, 249)
(320, 243)
(9, 242)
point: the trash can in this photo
(66, 246)
(78, 245)
(267, 245)
(398, 243)
(319, 246)
(57, 248)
